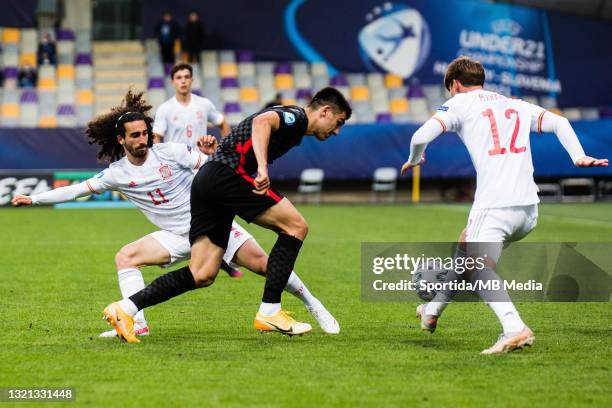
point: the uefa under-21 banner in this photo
(409, 38)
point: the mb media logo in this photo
(396, 39)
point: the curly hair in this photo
(103, 129)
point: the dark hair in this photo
(465, 70)
(103, 129)
(332, 97)
(179, 67)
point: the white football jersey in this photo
(184, 124)
(160, 187)
(495, 130)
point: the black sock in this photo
(165, 287)
(280, 264)
(226, 267)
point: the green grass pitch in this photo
(58, 274)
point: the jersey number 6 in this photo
(497, 149)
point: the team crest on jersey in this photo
(165, 171)
(289, 118)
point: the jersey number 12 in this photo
(497, 149)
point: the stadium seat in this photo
(228, 70)
(283, 81)
(398, 106)
(244, 56)
(47, 122)
(375, 80)
(383, 117)
(249, 95)
(384, 180)
(311, 183)
(357, 79)
(282, 68)
(300, 68)
(29, 40)
(233, 113)
(47, 84)
(393, 81)
(360, 93)
(303, 80)
(227, 56)
(28, 58)
(246, 70)
(66, 116)
(264, 68)
(65, 71)
(319, 69)
(10, 111)
(85, 97)
(10, 36)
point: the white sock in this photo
(128, 307)
(443, 298)
(130, 282)
(508, 316)
(296, 287)
(269, 309)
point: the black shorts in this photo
(218, 194)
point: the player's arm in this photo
(224, 128)
(561, 127)
(61, 194)
(420, 139)
(263, 126)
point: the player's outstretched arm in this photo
(21, 200)
(263, 126)
(562, 128)
(58, 195)
(423, 136)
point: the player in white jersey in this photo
(495, 130)
(157, 179)
(185, 116)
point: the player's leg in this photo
(245, 251)
(162, 248)
(208, 234)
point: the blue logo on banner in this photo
(289, 118)
(443, 108)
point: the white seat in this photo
(311, 182)
(385, 180)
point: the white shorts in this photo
(180, 249)
(500, 225)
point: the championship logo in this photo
(396, 40)
(165, 171)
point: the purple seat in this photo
(156, 83)
(303, 93)
(65, 110)
(29, 96)
(167, 69)
(11, 72)
(415, 91)
(232, 107)
(229, 83)
(383, 118)
(282, 68)
(244, 56)
(83, 58)
(605, 113)
(339, 80)
(196, 92)
(64, 34)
